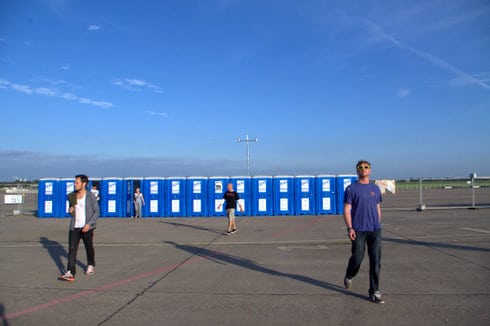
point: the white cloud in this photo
(4, 83)
(21, 88)
(45, 91)
(2, 39)
(101, 104)
(51, 92)
(137, 85)
(84, 100)
(153, 113)
(94, 28)
(135, 82)
(377, 31)
(403, 92)
(65, 66)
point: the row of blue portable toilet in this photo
(203, 196)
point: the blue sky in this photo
(164, 88)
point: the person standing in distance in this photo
(362, 215)
(139, 202)
(84, 211)
(231, 197)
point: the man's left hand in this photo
(86, 228)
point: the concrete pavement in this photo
(274, 271)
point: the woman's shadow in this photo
(57, 253)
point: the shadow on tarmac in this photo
(57, 253)
(436, 244)
(193, 227)
(223, 258)
(5, 322)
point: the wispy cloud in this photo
(153, 113)
(2, 39)
(137, 85)
(435, 61)
(94, 28)
(52, 92)
(403, 92)
(66, 66)
(460, 81)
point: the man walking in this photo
(231, 197)
(362, 215)
(84, 211)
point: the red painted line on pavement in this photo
(82, 294)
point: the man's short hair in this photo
(83, 178)
(360, 162)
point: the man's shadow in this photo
(2, 314)
(57, 253)
(193, 227)
(223, 258)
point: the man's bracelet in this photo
(348, 229)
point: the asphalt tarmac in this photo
(274, 271)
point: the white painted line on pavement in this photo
(476, 230)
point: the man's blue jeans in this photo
(373, 241)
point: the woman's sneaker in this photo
(68, 276)
(90, 270)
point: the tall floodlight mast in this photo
(247, 141)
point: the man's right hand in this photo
(352, 234)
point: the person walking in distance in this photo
(362, 216)
(84, 211)
(139, 202)
(231, 198)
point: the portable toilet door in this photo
(96, 191)
(342, 182)
(305, 195)
(262, 196)
(111, 197)
(197, 196)
(325, 194)
(176, 196)
(242, 185)
(66, 186)
(283, 195)
(217, 187)
(129, 185)
(47, 197)
(153, 194)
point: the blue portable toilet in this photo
(283, 195)
(217, 187)
(197, 188)
(111, 197)
(47, 197)
(262, 196)
(325, 195)
(153, 193)
(342, 182)
(305, 200)
(175, 190)
(66, 186)
(243, 186)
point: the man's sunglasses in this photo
(365, 167)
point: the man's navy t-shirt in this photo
(364, 199)
(231, 198)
